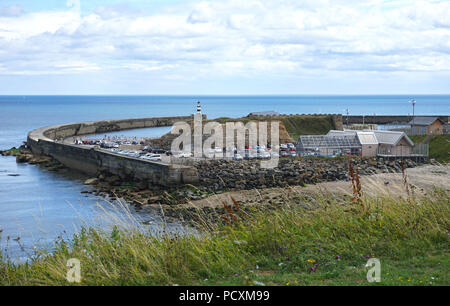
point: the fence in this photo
(419, 151)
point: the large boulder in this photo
(91, 181)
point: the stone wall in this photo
(99, 127)
(91, 160)
(384, 119)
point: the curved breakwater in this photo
(93, 160)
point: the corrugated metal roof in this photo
(367, 138)
(373, 136)
(341, 133)
(328, 141)
(391, 137)
(423, 120)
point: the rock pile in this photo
(218, 175)
(24, 155)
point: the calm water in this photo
(38, 205)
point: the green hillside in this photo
(307, 125)
(296, 125)
(439, 146)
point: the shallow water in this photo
(53, 205)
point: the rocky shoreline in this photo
(216, 177)
(24, 155)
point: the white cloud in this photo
(207, 38)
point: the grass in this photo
(308, 125)
(296, 125)
(439, 146)
(325, 240)
(12, 152)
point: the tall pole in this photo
(413, 102)
(347, 116)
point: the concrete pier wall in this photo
(385, 119)
(91, 160)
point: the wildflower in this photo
(338, 257)
(311, 261)
(313, 269)
(256, 283)
(316, 265)
(236, 274)
(281, 264)
(240, 242)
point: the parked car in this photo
(237, 157)
(265, 155)
(274, 154)
(134, 154)
(185, 155)
(155, 157)
(250, 154)
(159, 151)
(284, 153)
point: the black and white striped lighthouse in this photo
(199, 108)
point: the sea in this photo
(38, 206)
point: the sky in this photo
(224, 47)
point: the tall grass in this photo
(320, 239)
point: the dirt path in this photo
(422, 180)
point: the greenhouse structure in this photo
(328, 145)
(367, 143)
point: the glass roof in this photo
(326, 141)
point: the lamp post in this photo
(347, 111)
(413, 102)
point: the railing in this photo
(419, 150)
